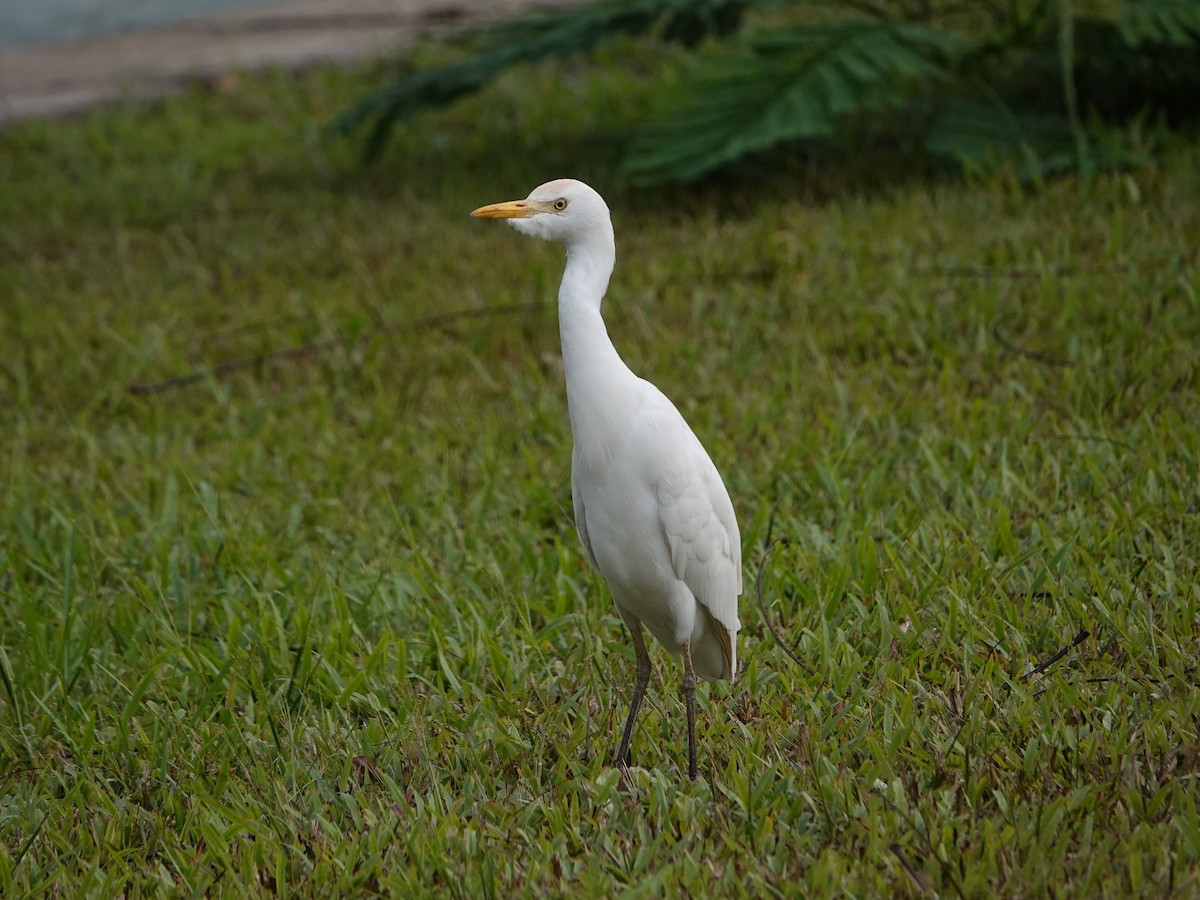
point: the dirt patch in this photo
(60, 79)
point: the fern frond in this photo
(1171, 22)
(867, 57)
(793, 84)
(975, 132)
(540, 35)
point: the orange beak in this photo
(511, 209)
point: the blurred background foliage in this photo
(1046, 86)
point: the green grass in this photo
(323, 626)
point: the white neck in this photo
(599, 384)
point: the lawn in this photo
(321, 624)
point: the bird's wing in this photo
(581, 523)
(702, 533)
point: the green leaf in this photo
(541, 35)
(792, 84)
(975, 132)
(1173, 22)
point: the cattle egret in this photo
(650, 506)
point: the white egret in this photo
(650, 506)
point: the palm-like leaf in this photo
(799, 83)
(1173, 22)
(973, 132)
(540, 35)
(1044, 61)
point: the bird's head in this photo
(563, 210)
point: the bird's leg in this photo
(689, 699)
(624, 753)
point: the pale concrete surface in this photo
(64, 78)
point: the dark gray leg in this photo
(624, 753)
(689, 699)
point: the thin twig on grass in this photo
(1009, 274)
(1020, 273)
(302, 351)
(762, 566)
(222, 337)
(1017, 350)
(1143, 679)
(1075, 642)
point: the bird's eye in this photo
(560, 204)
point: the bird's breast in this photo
(614, 477)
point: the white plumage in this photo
(650, 506)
